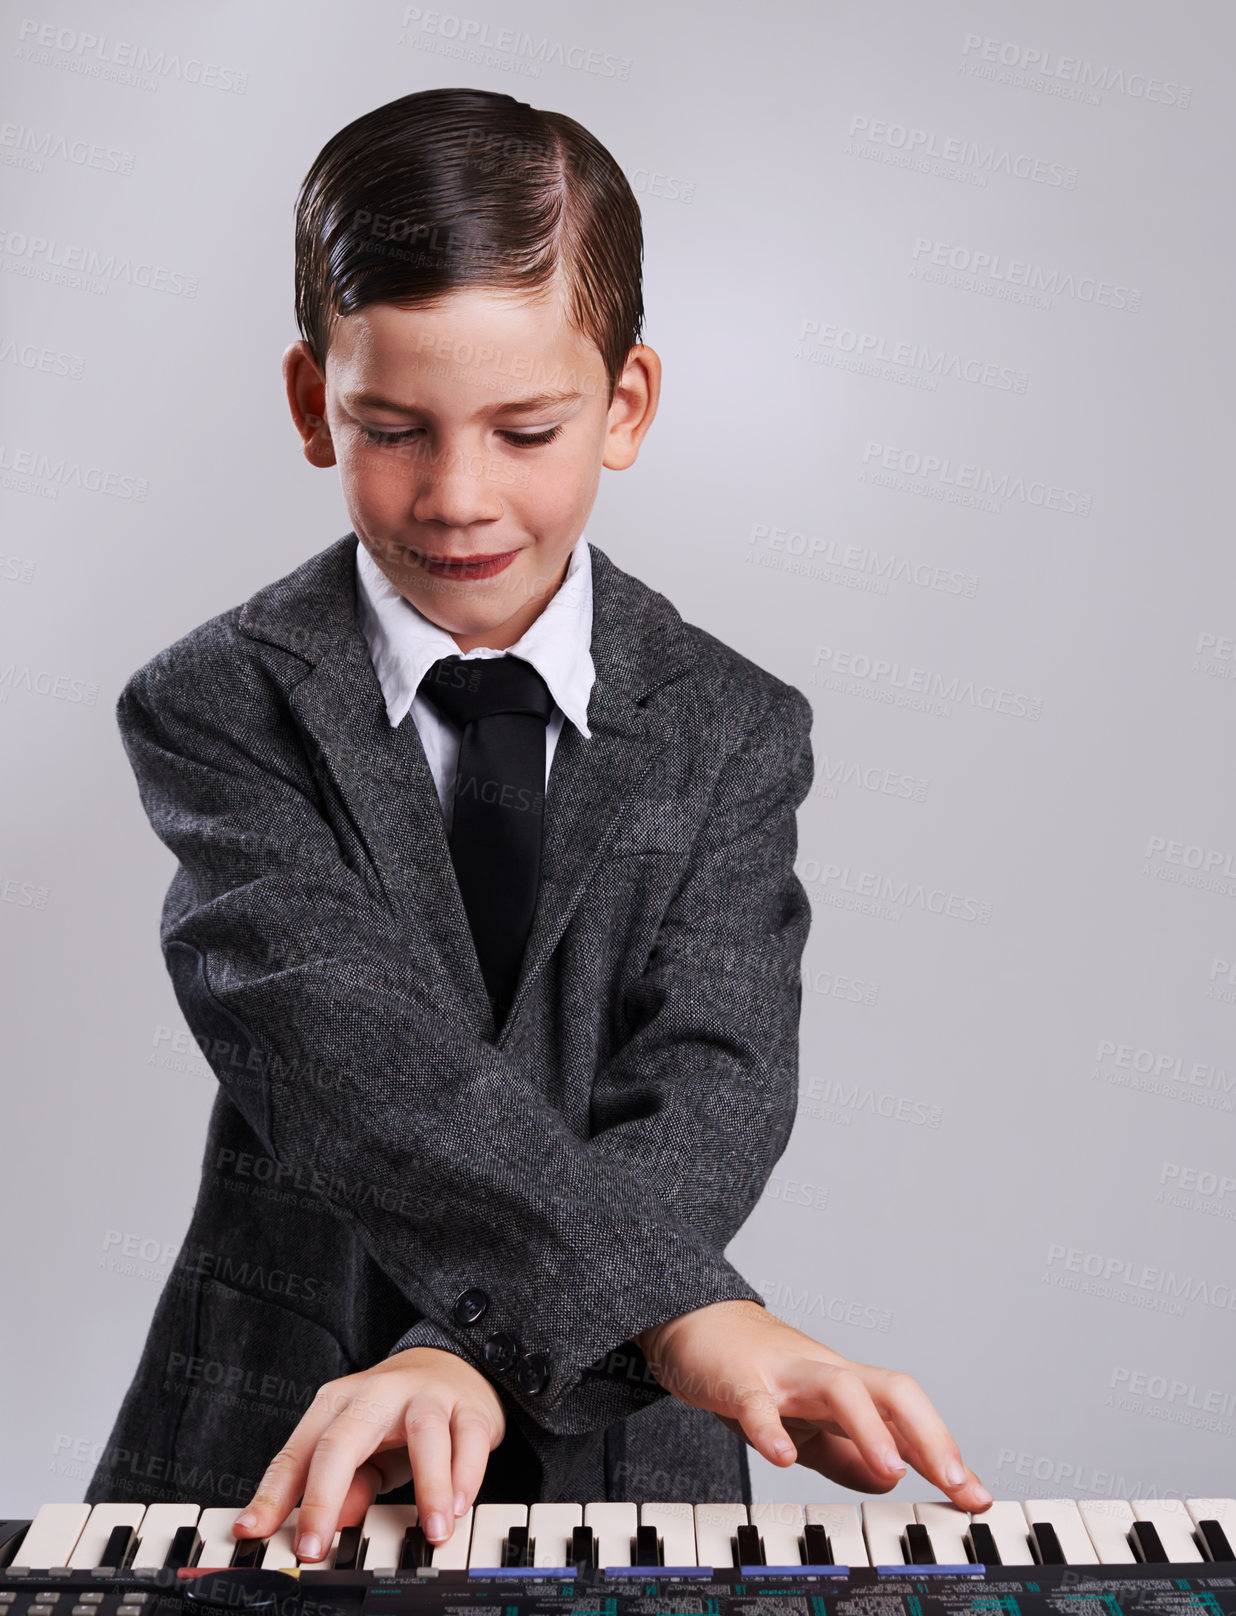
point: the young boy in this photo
(485, 916)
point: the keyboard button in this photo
(1222, 1511)
(844, 1525)
(453, 1554)
(1174, 1526)
(119, 1549)
(614, 1526)
(647, 1547)
(550, 1527)
(384, 1529)
(1061, 1514)
(104, 1518)
(675, 1525)
(1108, 1522)
(247, 1555)
(946, 1526)
(817, 1550)
(52, 1536)
(884, 1524)
(716, 1527)
(159, 1526)
(982, 1545)
(490, 1525)
(218, 1544)
(781, 1528)
(1147, 1544)
(748, 1546)
(1007, 1523)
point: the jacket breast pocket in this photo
(653, 827)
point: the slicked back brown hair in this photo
(446, 189)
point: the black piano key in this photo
(120, 1547)
(348, 1551)
(11, 1534)
(983, 1542)
(750, 1546)
(1214, 1540)
(583, 1547)
(817, 1550)
(249, 1552)
(415, 1550)
(647, 1546)
(1146, 1543)
(1046, 1544)
(185, 1547)
(515, 1550)
(918, 1545)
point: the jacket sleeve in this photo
(295, 976)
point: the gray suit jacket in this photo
(374, 1152)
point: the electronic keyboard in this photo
(1167, 1557)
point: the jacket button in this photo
(469, 1307)
(532, 1373)
(501, 1350)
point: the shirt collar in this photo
(404, 644)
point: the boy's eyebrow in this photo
(533, 401)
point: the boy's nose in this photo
(457, 487)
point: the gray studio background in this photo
(943, 298)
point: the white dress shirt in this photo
(404, 645)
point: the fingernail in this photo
(954, 1473)
(892, 1461)
(981, 1493)
(461, 1503)
(783, 1447)
(247, 1519)
(435, 1526)
(309, 1547)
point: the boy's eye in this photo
(521, 440)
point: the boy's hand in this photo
(770, 1383)
(421, 1414)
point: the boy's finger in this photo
(473, 1441)
(926, 1441)
(757, 1413)
(281, 1485)
(428, 1426)
(341, 1451)
(843, 1392)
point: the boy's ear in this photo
(306, 390)
(635, 403)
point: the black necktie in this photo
(498, 804)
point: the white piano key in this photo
(279, 1554)
(675, 1524)
(218, 1545)
(1107, 1521)
(884, 1521)
(490, 1525)
(159, 1526)
(781, 1528)
(1222, 1510)
(1062, 1513)
(613, 1525)
(88, 1551)
(1007, 1520)
(844, 1526)
(1173, 1523)
(946, 1527)
(453, 1554)
(550, 1527)
(52, 1535)
(715, 1526)
(385, 1525)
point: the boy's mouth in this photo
(468, 566)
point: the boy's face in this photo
(476, 428)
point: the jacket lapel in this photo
(639, 643)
